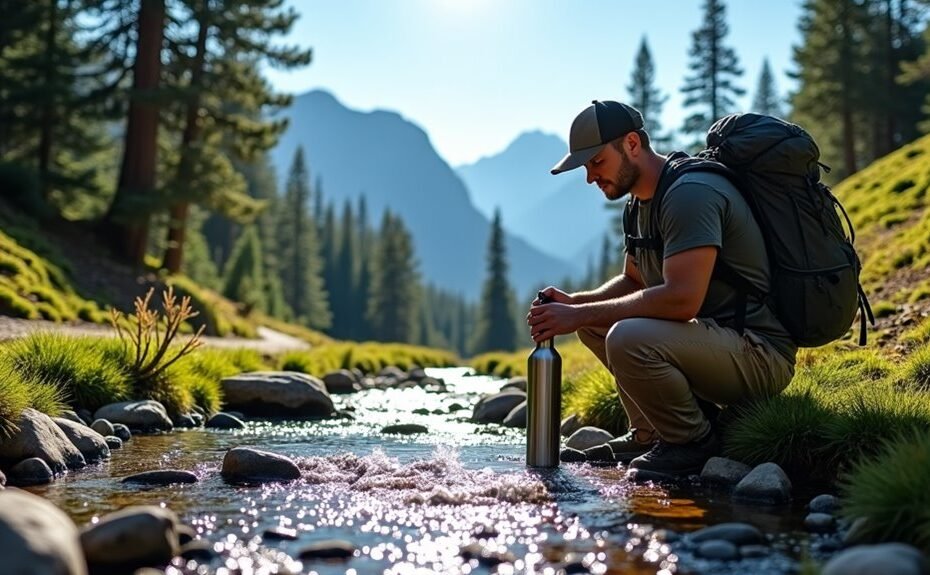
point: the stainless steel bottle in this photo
(543, 403)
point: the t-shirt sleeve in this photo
(691, 217)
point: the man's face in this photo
(613, 171)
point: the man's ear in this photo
(633, 144)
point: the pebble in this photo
(329, 549)
(824, 504)
(819, 522)
(718, 549)
(121, 431)
(32, 471)
(754, 551)
(103, 427)
(766, 484)
(224, 421)
(114, 442)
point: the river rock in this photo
(717, 549)
(148, 415)
(91, 444)
(341, 382)
(883, 559)
(736, 533)
(824, 504)
(404, 429)
(328, 549)
(277, 393)
(417, 374)
(432, 385)
(36, 537)
(754, 551)
(114, 442)
(569, 455)
(819, 522)
(139, 536)
(199, 550)
(723, 471)
(570, 425)
(103, 427)
(392, 372)
(280, 534)
(516, 417)
(588, 437)
(245, 465)
(121, 431)
(38, 436)
(162, 477)
(70, 415)
(224, 421)
(32, 471)
(518, 383)
(602, 453)
(185, 421)
(766, 483)
(494, 408)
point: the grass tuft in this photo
(593, 396)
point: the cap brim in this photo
(576, 159)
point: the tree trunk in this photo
(128, 216)
(48, 106)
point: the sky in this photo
(477, 73)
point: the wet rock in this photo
(392, 374)
(404, 428)
(884, 559)
(139, 536)
(736, 533)
(819, 522)
(113, 442)
(723, 471)
(72, 416)
(417, 374)
(36, 537)
(717, 549)
(103, 427)
(329, 549)
(600, 454)
(570, 425)
(162, 477)
(277, 394)
(38, 436)
(186, 534)
(341, 382)
(824, 504)
(456, 407)
(421, 411)
(199, 550)
(32, 471)
(242, 464)
(224, 421)
(148, 416)
(185, 421)
(518, 383)
(766, 483)
(432, 385)
(280, 534)
(588, 437)
(569, 455)
(754, 551)
(91, 444)
(121, 431)
(494, 408)
(516, 417)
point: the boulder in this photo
(602, 453)
(518, 383)
(148, 415)
(723, 471)
(569, 455)
(883, 559)
(245, 465)
(766, 483)
(38, 436)
(341, 382)
(494, 408)
(735, 533)
(36, 537)
(134, 537)
(70, 415)
(162, 477)
(570, 425)
(224, 421)
(516, 417)
(277, 393)
(91, 444)
(121, 431)
(588, 437)
(103, 427)
(32, 471)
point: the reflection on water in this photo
(457, 499)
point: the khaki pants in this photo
(660, 366)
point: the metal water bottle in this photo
(543, 403)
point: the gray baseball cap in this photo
(596, 126)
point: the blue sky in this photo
(476, 73)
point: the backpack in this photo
(815, 290)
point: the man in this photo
(665, 327)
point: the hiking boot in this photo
(627, 447)
(677, 460)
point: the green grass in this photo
(219, 315)
(368, 357)
(593, 395)
(915, 371)
(892, 492)
(18, 392)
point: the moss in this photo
(885, 309)
(14, 305)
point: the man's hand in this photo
(555, 295)
(551, 319)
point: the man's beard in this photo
(624, 180)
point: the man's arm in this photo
(626, 283)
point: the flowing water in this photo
(458, 499)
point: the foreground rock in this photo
(103, 427)
(91, 444)
(277, 394)
(38, 436)
(735, 533)
(723, 471)
(245, 465)
(224, 421)
(144, 536)
(570, 425)
(32, 471)
(884, 559)
(494, 408)
(341, 382)
(148, 416)
(588, 437)
(36, 537)
(518, 383)
(516, 417)
(162, 477)
(766, 483)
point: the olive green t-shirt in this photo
(704, 209)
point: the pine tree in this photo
(711, 87)
(243, 279)
(496, 328)
(917, 73)
(392, 307)
(366, 251)
(767, 100)
(645, 95)
(299, 251)
(199, 265)
(343, 289)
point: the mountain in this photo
(560, 215)
(391, 161)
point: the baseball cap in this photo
(596, 126)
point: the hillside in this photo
(887, 202)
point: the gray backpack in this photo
(815, 289)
